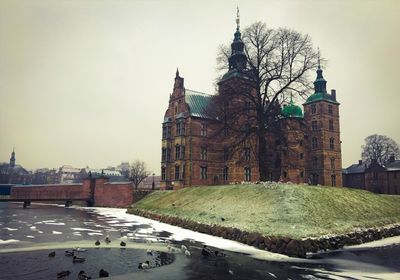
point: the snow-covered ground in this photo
(346, 268)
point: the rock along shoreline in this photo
(282, 245)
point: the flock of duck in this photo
(206, 252)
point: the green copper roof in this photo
(320, 90)
(292, 111)
(317, 96)
(198, 103)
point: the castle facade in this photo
(307, 150)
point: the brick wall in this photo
(73, 191)
(113, 194)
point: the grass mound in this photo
(294, 211)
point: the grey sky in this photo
(87, 82)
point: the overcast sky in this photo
(87, 82)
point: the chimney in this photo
(359, 162)
(333, 93)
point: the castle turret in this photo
(321, 114)
(237, 59)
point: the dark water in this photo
(52, 227)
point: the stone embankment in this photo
(282, 245)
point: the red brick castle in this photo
(194, 154)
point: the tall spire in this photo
(12, 159)
(320, 82)
(177, 72)
(237, 19)
(238, 59)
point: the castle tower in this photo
(239, 160)
(293, 153)
(12, 159)
(321, 114)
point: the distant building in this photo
(112, 175)
(147, 183)
(69, 174)
(375, 177)
(12, 173)
(45, 176)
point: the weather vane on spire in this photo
(319, 60)
(237, 18)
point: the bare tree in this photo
(278, 65)
(138, 172)
(379, 148)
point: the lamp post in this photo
(152, 184)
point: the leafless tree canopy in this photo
(379, 148)
(138, 172)
(279, 62)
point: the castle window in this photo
(203, 153)
(226, 154)
(333, 163)
(247, 174)
(203, 172)
(333, 180)
(247, 153)
(332, 143)
(314, 125)
(169, 132)
(176, 109)
(313, 109)
(314, 143)
(301, 156)
(177, 173)
(183, 171)
(284, 174)
(226, 173)
(302, 174)
(168, 154)
(330, 111)
(331, 125)
(164, 154)
(177, 152)
(203, 130)
(163, 175)
(182, 152)
(164, 132)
